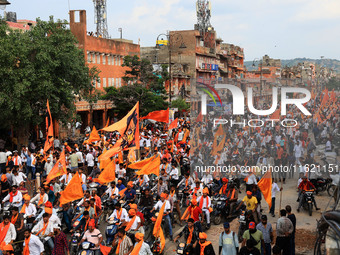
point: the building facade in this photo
(107, 56)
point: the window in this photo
(120, 82)
(117, 83)
(104, 82)
(88, 57)
(98, 84)
(119, 60)
(109, 82)
(109, 59)
(112, 60)
(98, 59)
(104, 59)
(94, 59)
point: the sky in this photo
(282, 29)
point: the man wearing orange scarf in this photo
(123, 242)
(204, 247)
(194, 211)
(141, 248)
(223, 189)
(7, 232)
(14, 197)
(32, 244)
(133, 222)
(41, 198)
(44, 228)
(190, 233)
(167, 211)
(204, 202)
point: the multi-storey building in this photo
(107, 56)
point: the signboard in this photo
(162, 42)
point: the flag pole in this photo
(281, 192)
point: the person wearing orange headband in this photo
(204, 247)
(251, 205)
(167, 209)
(141, 247)
(195, 212)
(94, 236)
(129, 193)
(133, 223)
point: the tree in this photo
(180, 103)
(143, 84)
(42, 63)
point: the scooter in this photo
(111, 230)
(183, 248)
(86, 248)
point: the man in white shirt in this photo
(32, 244)
(207, 179)
(41, 198)
(11, 234)
(275, 188)
(16, 159)
(44, 229)
(3, 160)
(28, 209)
(83, 179)
(205, 205)
(66, 178)
(119, 213)
(136, 225)
(14, 197)
(167, 210)
(48, 166)
(145, 248)
(174, 175)
(112, 191)
(90, 162)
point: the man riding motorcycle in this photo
(190, 233)
(304, 186)
(204, 202)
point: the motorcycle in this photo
(5, 210)
(321, 184)
(156, 247)
(86, 248)
(75, 239)
(28, 222)
(307, 201)
(219, 209)
(183, 248)
(111, 230)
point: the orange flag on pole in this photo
(128, 128)
(113, 151)
(219, 131)
(152, 167)
(49, 124)
(160, 116)
(73, 190)
(265, 185)
(107, 123)
(132, 155)
(157, 229)
(58, 169)
(108, 174)
(173, 124)
(140, 164)
(94, 136)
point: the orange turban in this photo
(48, 204)
(249, 193)
(3, 178)
(164, 195)
(194, 202)
(132, 212)
(48, 210)
(202, 235)
(133, 206)
(139, 236)
(206, 190)
(130, 183)
(26, 197)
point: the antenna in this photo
(100, 18)
(203, 9)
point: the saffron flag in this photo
(108, 174)
(105, 249)
(104, 163)
(325, 99)
(128, 128)
(160, 116)
(219, 131)
(173, 124)
(113, 151)
(94, 136)
(49, 128)
(152, 167)
(265, 185)
(132, 155)
(140, 164)
(157, 229)
(107, 122)
(58, 169)
(73, 191)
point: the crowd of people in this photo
(35, 222)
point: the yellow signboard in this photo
(162, 42)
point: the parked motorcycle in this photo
(321, 184)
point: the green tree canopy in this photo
(143, 84)
(42, 63)
(180, 103)
(333, 83)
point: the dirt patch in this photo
(304, 241)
